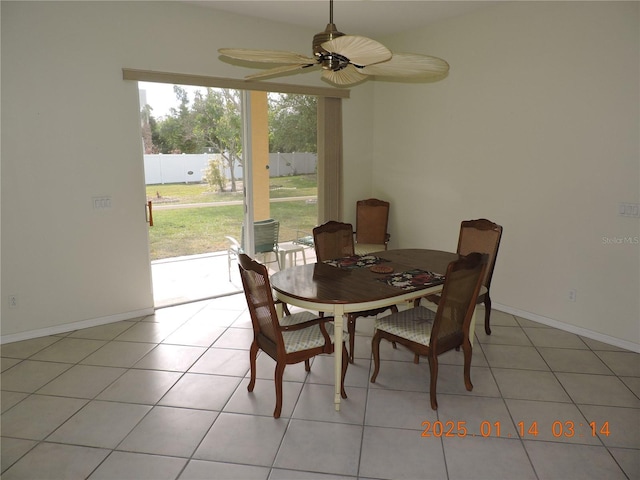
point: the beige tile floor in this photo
(165, 396)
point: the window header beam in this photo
(218, 82)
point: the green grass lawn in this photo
(191, 231)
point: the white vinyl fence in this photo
(189, 168)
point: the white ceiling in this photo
(356, 17)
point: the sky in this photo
(161, 98)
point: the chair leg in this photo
(253, 353)
(278, 378)
(351, 328)
(394, 309)
(282, 259)
(345, 364)
(487, 313)
(433, 370)
(307, 365)
(375, 349)
(468, 350)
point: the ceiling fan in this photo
(344, 59)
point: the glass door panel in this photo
(216, 159)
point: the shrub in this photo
(214, 175)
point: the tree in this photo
(292, 123)
(147, 131)
(217, 124)
(177, 129)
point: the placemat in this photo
(413, 279)
(355, 261)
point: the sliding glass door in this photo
(210, 167)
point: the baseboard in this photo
(617, 342)
(70, 327)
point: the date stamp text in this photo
(558, 429)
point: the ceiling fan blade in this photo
(279, 70)
(359, 50)
(266, 56)
(346, 76)
(408, 65)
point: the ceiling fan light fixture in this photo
(333, 61)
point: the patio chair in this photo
(372, 218)
(265, 239)
(293, 339)
(335, 240)
(304, 239)
(430, 334)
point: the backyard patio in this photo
(196, 277)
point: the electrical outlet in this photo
(13, 301)
(572, 295)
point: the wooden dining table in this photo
(341, 287)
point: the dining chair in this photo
(265, 239)
(335, 240)
(482, 236)
(430, 334)
(372, 218)
(293, 339)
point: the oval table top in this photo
(327, 284)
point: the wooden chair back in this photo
(457, 303)
(333, 240)
(481, 236)
(372, 218)
(257, 290)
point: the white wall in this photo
(537, 128)
(63, 94)
(358, 146)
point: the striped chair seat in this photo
(367, 248)
(305, 338)
(298, 317)
(413, 324)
